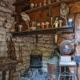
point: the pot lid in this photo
(53, 60)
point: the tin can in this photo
(42, 25)
(70, 23)
(38, 26)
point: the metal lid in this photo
(54, 60)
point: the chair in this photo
(65, 61)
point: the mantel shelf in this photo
(44, 7)
(45, 31)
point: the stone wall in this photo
(28, 44)
(6, 21)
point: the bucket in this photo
(52, 69)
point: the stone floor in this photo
(34, 74)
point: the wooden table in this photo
(5, 65)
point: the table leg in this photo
(10, 74)
(3, 75)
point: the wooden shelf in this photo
(20, 3)
(45, 31)
(52, 4)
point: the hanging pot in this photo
(36, 58)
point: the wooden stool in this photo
(5, 65)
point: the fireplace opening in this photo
(36, 61)
(35, 71)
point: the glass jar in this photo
(38, 26)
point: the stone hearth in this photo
(34, 74)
